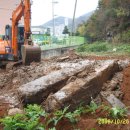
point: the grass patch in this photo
(95, 47)
(123, 48)
(105, 48)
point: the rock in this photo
(98, 100)
(62, 58)
(115, 102)
(10, 99)
(37, 90)
(82, 89)
(119, 94)
(114, 49)
(71, 79)
(15, 81)
(123, 64)
(15, 111)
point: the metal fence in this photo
(49, 42)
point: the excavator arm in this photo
(27, 19)
(29, 51)
(16, 16)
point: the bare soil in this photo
(89, 122)
(126, 86)
(119, 85)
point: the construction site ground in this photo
(118, 84)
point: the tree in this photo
(111, 15)
(66, 30)
(48, 32)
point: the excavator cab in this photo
(17, 44)
(27, 53)
(7, 44)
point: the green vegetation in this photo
(95, 47)
(104, 48)
(63, 42)
(41, 39)
(92, 107)
(66, 30)
(64, 114)
(111, 17)
(49, 42)
(35, 118)
(1, 36)
(27, 121)
(117, 112)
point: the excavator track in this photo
(8, 65)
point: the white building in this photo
(38, 30)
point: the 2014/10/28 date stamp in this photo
(104, 121)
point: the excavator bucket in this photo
(30, 53)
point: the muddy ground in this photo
(118, 84)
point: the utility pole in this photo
(53, 15)
(73, 22)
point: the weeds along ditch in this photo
(34, 117)
(104, 47)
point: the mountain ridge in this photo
(61, 20)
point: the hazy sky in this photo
(42, 9)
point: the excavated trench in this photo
(72, 84)
(39, 89)
(58, 84)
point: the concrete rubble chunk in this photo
(115, 102)
(39, 89)
(15, 111)
(82, 89)
(10, 99)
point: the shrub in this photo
(116, 112)
(27, 121)
(94, 47)
(98, 47)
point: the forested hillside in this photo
(111, 18)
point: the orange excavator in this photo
(16, 45)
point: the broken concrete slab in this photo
(82, 89)
(123, 64)
(14, 111)
(8, 101)
(39, 89)
(115, 102)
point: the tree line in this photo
(111, 20)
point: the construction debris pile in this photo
(60, 82)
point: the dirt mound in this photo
(13, 79)
(126, 85)
(23, 74)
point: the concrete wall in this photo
(56, 52)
